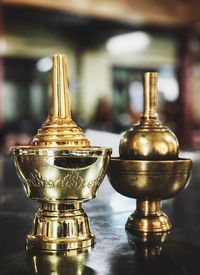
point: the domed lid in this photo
(59, 130)
(150, 139)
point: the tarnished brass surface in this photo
(149, 217)
(149, 182)
(149, 140)
(60, 170)
(149, 168)
(149, 179)
(147, 245)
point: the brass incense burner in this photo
(149, 168)
(60, 170)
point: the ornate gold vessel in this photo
(60, 170)
(149, 168)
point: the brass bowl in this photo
(149, 179)
(60, 180)
(149, 182)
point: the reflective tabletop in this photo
(114, 252)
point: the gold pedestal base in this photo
(148, 217)
(60, 227)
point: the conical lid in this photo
(59, 130)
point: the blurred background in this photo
(109, 44)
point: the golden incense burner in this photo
(149, 168)
(60, 170)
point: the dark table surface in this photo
(113, 252)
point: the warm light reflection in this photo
(3, 46)
(128, 43)
(52, 193)
(44, 64)
(168, 86)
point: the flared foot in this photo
(148, 218)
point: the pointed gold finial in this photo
(59, 98)
(59, 130)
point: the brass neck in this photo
(59, 97)
(147, 207)
(150, 96)
(69, 206)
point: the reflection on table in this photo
(114, 252)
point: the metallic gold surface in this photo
(148, 216)
(61, 180)
(54, 175)
(70, 262)
(64, 228)
(149, 182)
(149, 140)
(149, 179)
(59, 130)
(149, 168)
(60, 170)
